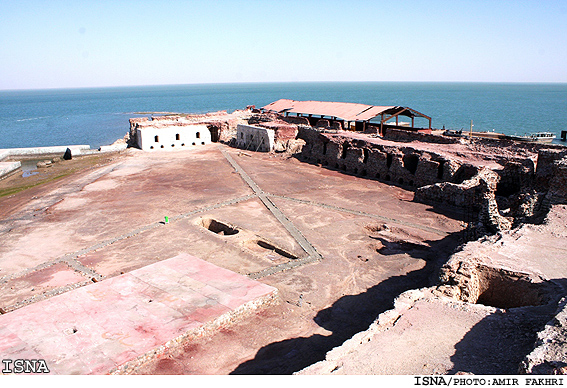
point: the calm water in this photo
(96, 117)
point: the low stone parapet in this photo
(8, 167)
(40, 151)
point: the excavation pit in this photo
(218, 227)
(275, 250)
(507, 289)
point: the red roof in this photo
(343, 110)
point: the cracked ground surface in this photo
(373, 243)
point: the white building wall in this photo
(255, 138)
(169, 138)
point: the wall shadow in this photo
(349, 315)
(454, 212)
(346, 317)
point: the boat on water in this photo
(538, 137)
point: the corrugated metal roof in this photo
(279, 105)
(343, 110)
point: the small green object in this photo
(166, 219)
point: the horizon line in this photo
(281, 82)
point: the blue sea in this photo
(99, 116)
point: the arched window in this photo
(156, 138)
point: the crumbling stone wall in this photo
(494, 200)
(551, 174)
(558, 182)
(296, 120)
(407, 136)
(549, 356)
(255, 138)
(404, 166)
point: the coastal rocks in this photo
(44, 164)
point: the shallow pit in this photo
(276, 250)
(218, 227)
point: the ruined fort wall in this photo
(494, 199)
(404, 166)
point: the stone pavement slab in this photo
(118, 323)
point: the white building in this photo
(168, 135)
(255, 138)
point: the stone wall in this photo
(492, 200)
(407, 136)
(255, 138)
(405, 166)
(221, 125)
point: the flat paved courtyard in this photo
(111, 325)
(339, 248)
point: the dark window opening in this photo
(410, 162)
(177, 137)
(156, 138)
(440, 169)
(344, 152)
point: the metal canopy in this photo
(342, 110)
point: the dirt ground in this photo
(108, 218)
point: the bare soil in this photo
(107, 218)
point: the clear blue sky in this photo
(60, 44)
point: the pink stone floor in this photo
(96, 328)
